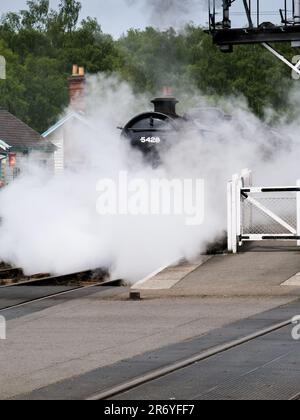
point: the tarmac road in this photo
(267, 368)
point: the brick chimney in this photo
(167, 103)
(76, 88)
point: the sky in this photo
(116, 16)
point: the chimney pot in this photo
(166, 105)
(76, 88)
(75, 70)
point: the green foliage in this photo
(41, 44)
(153, 59)
(12, 89)
(189, 60)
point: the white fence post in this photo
(235, 211)
(239, 186)
(247, 178)
(248, 183)
(298, 213)
(229, 217)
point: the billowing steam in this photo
(166, 13)
(50, 224)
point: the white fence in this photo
(261, 213)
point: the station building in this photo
(17, 142)
(60, 134)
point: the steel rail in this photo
(159, 373)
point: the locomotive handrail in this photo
(150, 130)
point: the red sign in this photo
(12, 158)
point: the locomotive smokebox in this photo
(166, 105)
(154, 132)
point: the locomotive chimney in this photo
(166, 104)
(76, 88)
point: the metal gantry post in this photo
(297, 12)
(226, 14)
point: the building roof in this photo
(78, 116)
(20, 136)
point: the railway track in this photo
(27, 290)
(138, 382)
(11, 276)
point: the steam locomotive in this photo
(150, 132)
(154, 132)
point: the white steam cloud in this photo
(50, 224)
(166, 13)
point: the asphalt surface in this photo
(79, 344)
(54, 296)
(267, 368)
(15, 295)
(264, 369)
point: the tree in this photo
(40, 46)
(12, 89)
(37, 14)
(11, 22)
(69, 14)
(45, 90)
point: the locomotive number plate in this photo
(154, 140)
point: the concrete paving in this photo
(168, 277)
(261, 271)
(293, 281)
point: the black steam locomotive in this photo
(151, 132)
(154, 132)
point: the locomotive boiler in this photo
(153, 132)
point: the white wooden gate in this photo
(261, 213)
